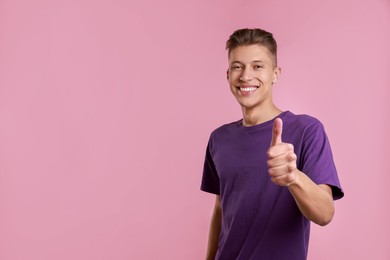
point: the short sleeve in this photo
(210, 178)
(317, 159)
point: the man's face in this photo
(251, 74)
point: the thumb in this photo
(277, 132)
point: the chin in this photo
(246, 105)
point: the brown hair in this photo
(258, 36)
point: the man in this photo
(272, 171)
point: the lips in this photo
(247, 88)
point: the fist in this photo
(282, 161)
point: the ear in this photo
(277, 72)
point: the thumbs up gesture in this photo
(282, 166)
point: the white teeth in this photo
(248, 89)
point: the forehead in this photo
(250, 53)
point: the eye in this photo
(236, 67)
(257, 67)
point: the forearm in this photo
(314, 201)
(214, 232)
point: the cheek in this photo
(232, 78)
(232, 85)
(264, 78)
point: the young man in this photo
(272, 171)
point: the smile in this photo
(247, 88)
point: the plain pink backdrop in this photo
(106, 108)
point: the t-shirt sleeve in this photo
(210, 179)
(317, 159)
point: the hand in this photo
(282, 165)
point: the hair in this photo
(245, 37)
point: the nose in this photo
(246, 75)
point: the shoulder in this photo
(302, 121)
(302, 128)
(224, 134)
(226, 129)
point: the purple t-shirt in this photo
(260, 220)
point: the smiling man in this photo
(272, 171)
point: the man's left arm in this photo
(314, 201)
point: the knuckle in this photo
(271, 153)
(274, 172)
(292, 156)
(291, 167)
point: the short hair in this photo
(245, 37)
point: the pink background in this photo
(106, 107)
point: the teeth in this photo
(248, 89)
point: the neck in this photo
(255, 116)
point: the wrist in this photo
(296, 179)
